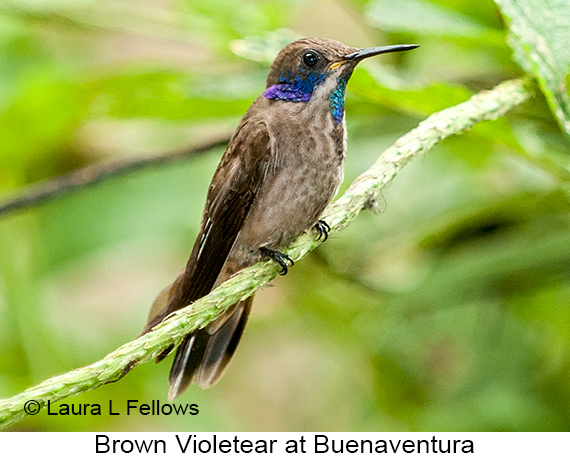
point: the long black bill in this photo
(369, 52)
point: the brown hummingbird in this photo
(282, 167)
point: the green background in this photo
(449, 311)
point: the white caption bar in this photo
(281, 444)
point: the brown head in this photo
(306, 64)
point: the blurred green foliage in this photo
(448, 311)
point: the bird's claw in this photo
(322, 229)
(283, 260)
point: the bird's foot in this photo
(282, 259)
(322, 229)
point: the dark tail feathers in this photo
(204, 354)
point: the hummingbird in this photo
(282, 167)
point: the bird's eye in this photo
(310, 58)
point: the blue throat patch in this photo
(337, 99)
(299, 89)
(294, 88)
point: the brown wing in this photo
(233, 190)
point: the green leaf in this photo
(539, 35)
(373, 85)
(263, 48)
(413, 16)
(171, 96)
